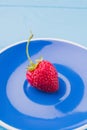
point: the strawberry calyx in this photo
(32, 66)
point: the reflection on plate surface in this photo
(33, 109)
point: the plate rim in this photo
(49, 39)
(6, 126)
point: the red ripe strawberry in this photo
(42, 75)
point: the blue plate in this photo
(24, 107)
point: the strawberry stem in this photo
(32, 65)
(27, 46)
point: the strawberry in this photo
(42, 74)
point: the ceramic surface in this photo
(24, 107)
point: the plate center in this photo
(42, 97)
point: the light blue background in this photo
(64, 19)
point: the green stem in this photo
(27, 52)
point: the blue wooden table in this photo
(64, 19)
